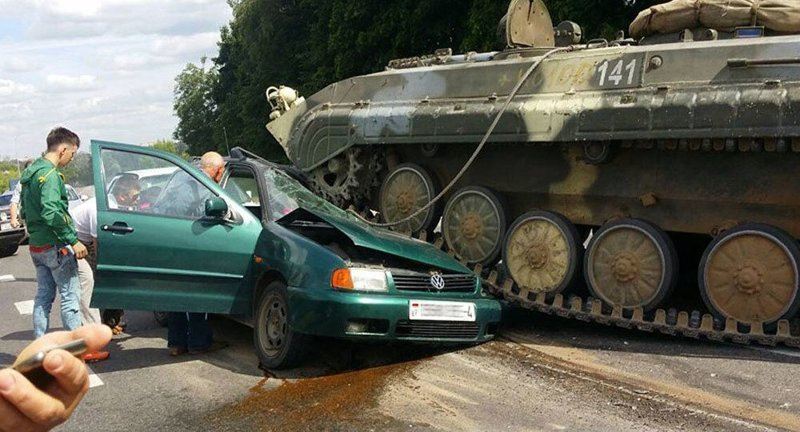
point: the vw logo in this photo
(437, 281)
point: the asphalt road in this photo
(543, 374)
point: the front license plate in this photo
(441, 310)
(5, 226)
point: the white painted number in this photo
(615, 77)
(603, 69)
(616, 73)
(631, 68)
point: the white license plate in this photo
(5, 226)
(441, 310)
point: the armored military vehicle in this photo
(613, 162)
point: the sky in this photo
(103, 68)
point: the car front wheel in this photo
(277, 345)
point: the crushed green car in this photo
(263, 248)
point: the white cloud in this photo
(105, 69)
(71, 83)
(65, 19)
(127, 62)
(70, 8)
(184, 44)
(11, 90)
(18, 65)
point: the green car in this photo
(261, 247)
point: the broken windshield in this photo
(287, 194)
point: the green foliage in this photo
(308, 44)
(194, 106)
(170, 146)
(79, 172)
(8, 171)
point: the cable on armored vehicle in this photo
(511, 95)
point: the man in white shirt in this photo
(125, 194)
(15, 198)
(84, 216)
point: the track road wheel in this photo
(277, 345)
(542, 252)
(631, 263)
(750, 273)
(474, 224)
(405, 190)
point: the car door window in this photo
(242, 186)
(181, 196)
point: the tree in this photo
(194, 107)
(8, 170)
(79, 172)
(170, 146)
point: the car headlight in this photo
(359, 279)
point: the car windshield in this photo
(287, 194)
(5, 200)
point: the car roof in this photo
(240, 155)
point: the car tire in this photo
(277, 345)
(9, 250)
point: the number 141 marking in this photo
(616, 75)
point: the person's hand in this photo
(80, 250)
(15, 223)
(24, 407)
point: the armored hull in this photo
(620, 161)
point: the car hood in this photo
(388, 242)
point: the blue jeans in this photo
(56, 271)
(188, 330)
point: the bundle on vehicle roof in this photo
(781, 16)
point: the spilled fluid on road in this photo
(326, 402)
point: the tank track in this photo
(691, 324)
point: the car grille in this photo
(412, 281)
(437, 329)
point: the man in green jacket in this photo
(54, 245)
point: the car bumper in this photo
(13, 236)
(384, 317)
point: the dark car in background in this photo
(10, 237)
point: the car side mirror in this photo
(84, 197)
(216, 208)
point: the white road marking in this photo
(7, 278)
(25, 307)
(94, 380)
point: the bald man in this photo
(185, 197)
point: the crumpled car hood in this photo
(388, 242)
